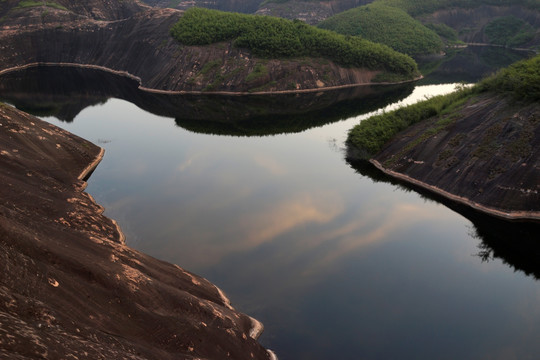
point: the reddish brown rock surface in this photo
(71, 288)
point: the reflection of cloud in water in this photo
(270, 164)
(186, 164)
(373, 227)
(241, 231)
(280, 218)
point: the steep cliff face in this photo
(71, 288)
(142, 47)
(485, 154)
(471, 22)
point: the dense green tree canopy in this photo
(386, 25)
(509, 31)
(272, 37)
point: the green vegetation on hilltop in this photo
(386, 25)
(520, 80)
(271, 37)
(509, 31)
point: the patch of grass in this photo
(209, 66)
(456, 140)
(258, 72)
(488, 145)
(520, 147)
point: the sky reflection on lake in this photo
(337, 264)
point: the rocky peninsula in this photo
(488, 159)
(479, 146)
(70, 286)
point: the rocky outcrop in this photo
(140, 46)
(486, 154)
(71, 288)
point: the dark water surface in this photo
(336, 260)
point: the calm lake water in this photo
(336, 260)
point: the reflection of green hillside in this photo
(515, 243)
(296, 113)
(64, 92)
(467, 65)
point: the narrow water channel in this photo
(336, 262)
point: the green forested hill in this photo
(387, 25)
(271, 37)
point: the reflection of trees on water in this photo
(467, 65)
(63, 92)
(293, 113)
(517, 244)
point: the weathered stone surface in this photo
(71, 288)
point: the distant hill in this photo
(386, 25)
(506, 22)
